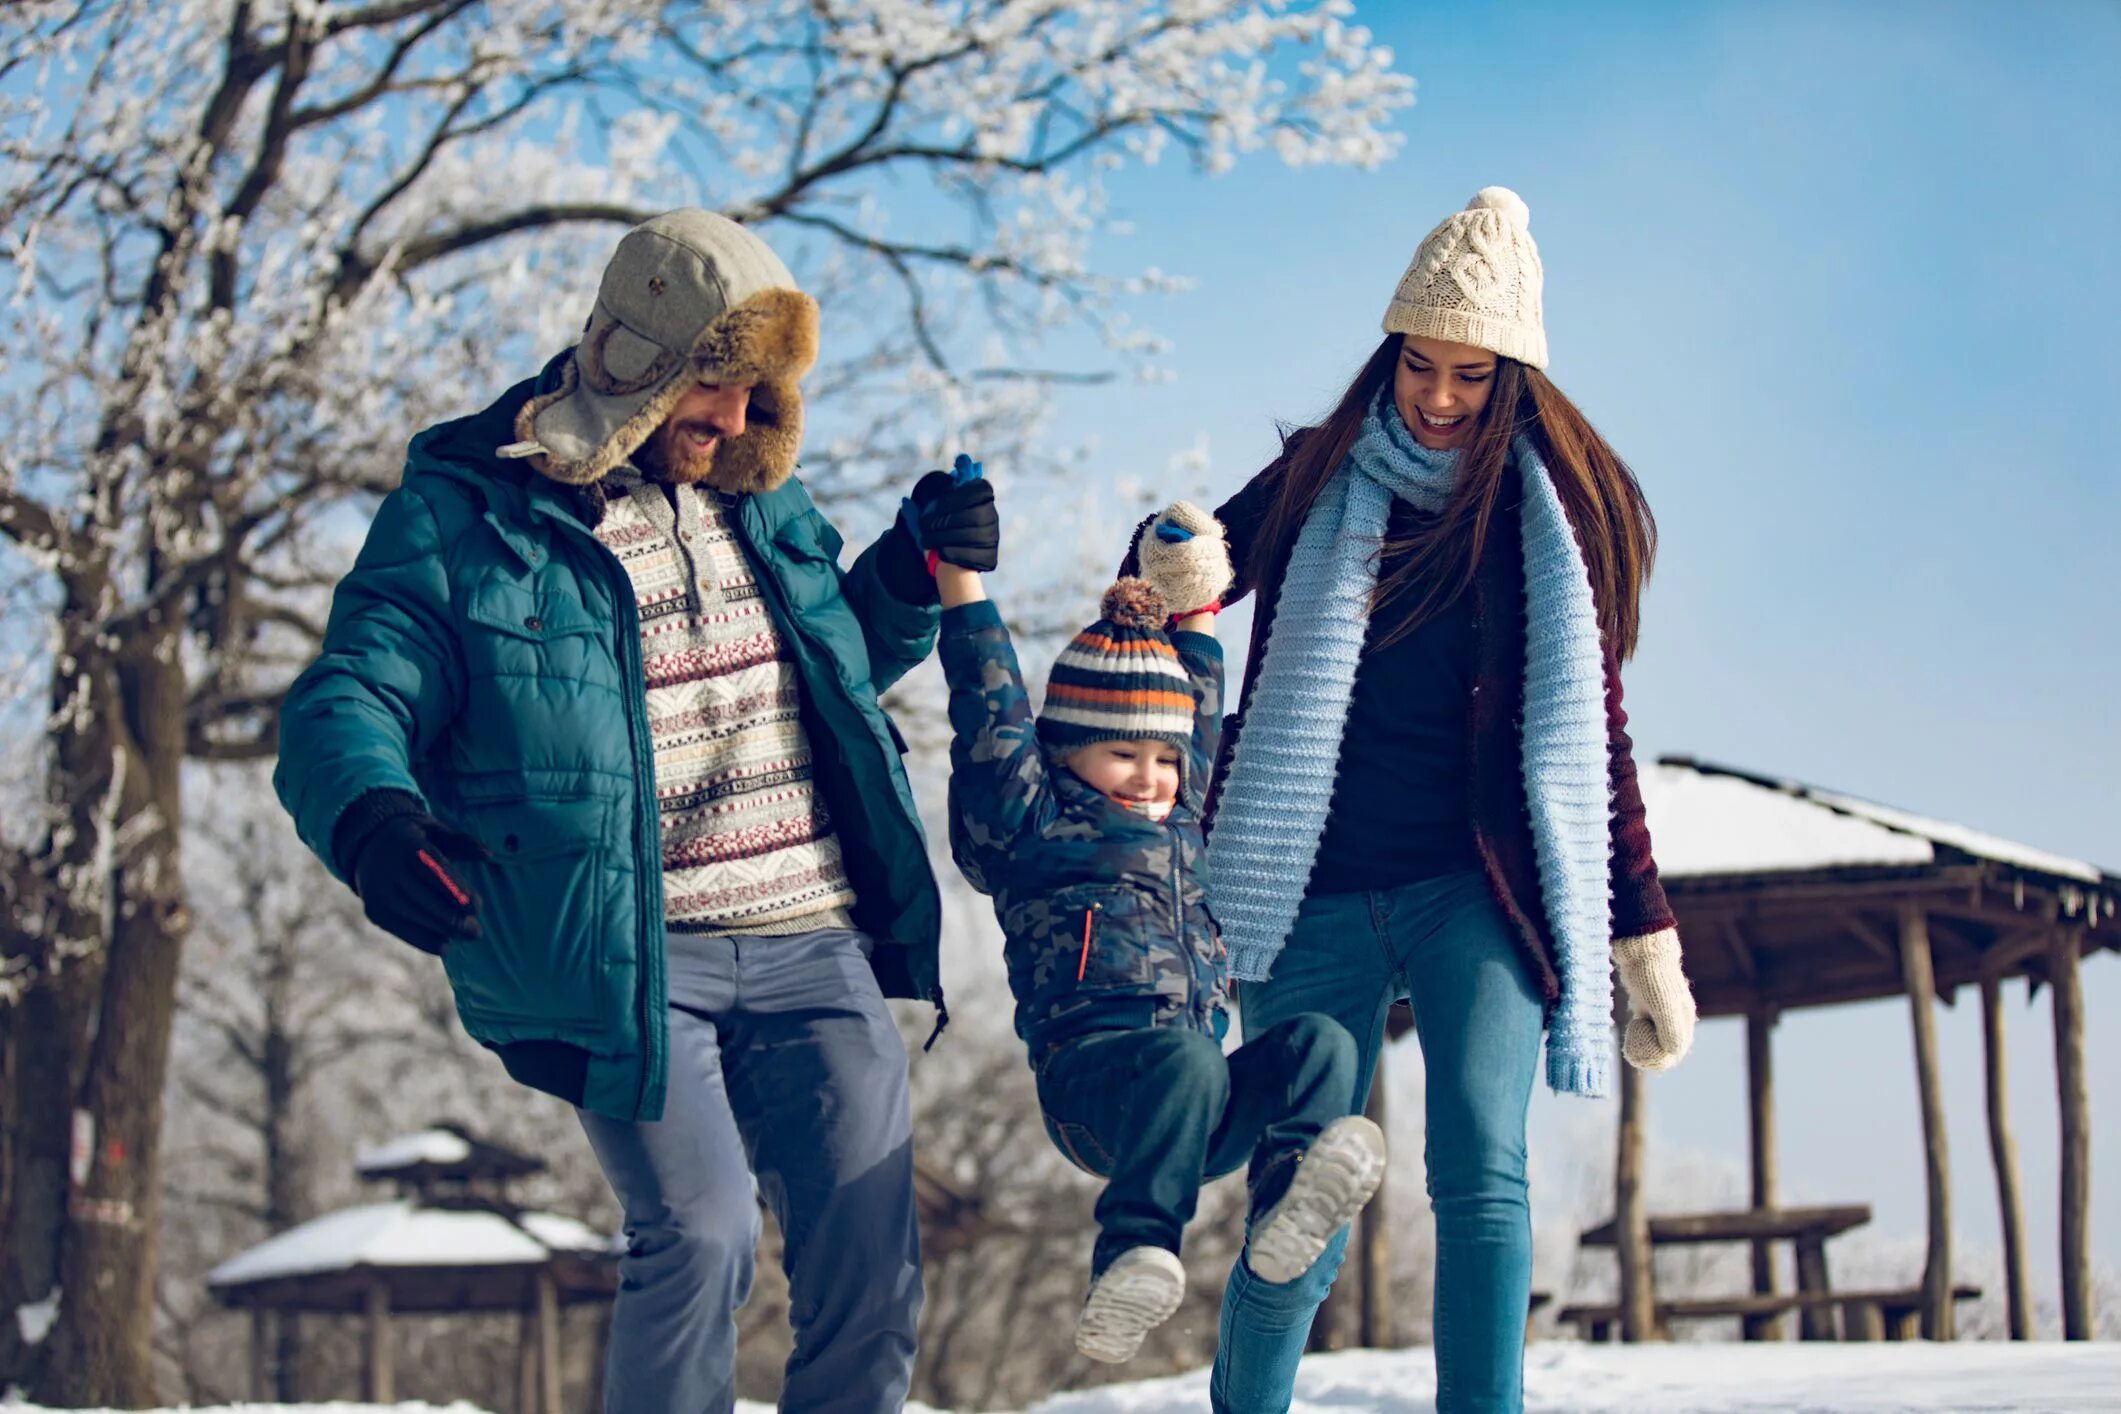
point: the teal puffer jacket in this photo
(484, 654)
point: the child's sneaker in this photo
(1336, 1176)
(1137, 1293)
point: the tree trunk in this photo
(105, 986)
(40, 1042)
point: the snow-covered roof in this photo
(427, 1146)
(404, 1234)
(1709, 819)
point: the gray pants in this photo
(784, 1063)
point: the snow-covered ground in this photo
(1708, 1378)
(1563, 1377)
(334, 1407)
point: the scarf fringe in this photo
(1589, 1077)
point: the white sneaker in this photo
(1335, 1177)
(1137, 1293)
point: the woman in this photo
(1432, 793)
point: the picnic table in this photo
(1806, 1229)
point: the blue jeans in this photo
(784, 1064)
(1445, 945)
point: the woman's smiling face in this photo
(1440, 389)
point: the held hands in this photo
(1184, 555)
(951, 517)
(410, 883)
(1660, 1003)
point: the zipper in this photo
(1178, 918)
(765, 572)
(1089, 914)
(652, 978)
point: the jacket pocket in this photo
(1081, 947)
(808, 553)
(515, 609)
(545, 907)
(1111, 947)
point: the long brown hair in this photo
(1433, 566)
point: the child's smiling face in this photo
(1140, 774)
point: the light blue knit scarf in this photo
(1273, 807)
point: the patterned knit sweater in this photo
(747, 842)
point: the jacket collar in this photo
(466, 449)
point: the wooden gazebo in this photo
(451, 1242)
(1791, 896)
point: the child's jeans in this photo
(1160, 1110)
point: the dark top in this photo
(1401, 802)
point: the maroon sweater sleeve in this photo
(1639, 904)
(1242, 516)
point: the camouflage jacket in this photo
(1104, 915)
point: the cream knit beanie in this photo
(1477, 280)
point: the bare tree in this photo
(253, 243)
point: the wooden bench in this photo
(1866, 1315)
(1806, 1229)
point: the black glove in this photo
(956, 522)
(410, 884)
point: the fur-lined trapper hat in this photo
(689, 297)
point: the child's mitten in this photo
(1183, 553)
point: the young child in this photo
(1084, 827)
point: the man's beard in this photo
(665, 458)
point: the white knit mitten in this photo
(1192, 574)
(1660, 1003)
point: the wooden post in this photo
(549, 1340)
(1631, 1222)
(1863, 1320)
(2003, 1148)
(2075, 1096)
(1760, 1109)
(601, 1358)
(1916, 972)
(376, 1374)
(527, 1359)
(1376, 1264)
(1813, 1322)
(260, 1355)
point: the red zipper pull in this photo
(462, 899)
(1084, 966)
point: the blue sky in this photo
(1839, 281)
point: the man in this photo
(596, 720)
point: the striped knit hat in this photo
(1120, 678)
